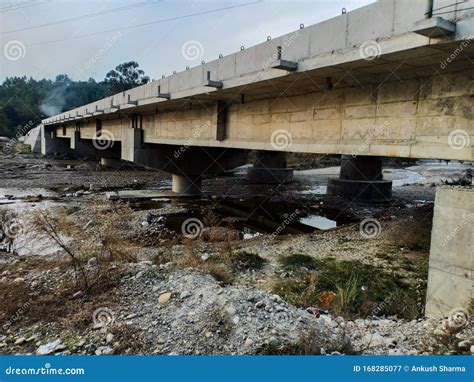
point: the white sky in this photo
(156, 47)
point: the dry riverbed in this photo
(245, 269)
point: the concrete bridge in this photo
(394, 78)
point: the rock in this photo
(90, 348)
(20, 341)
(164, 298)
(19, 280)
(374, 340)
(149, 254)
(184, 294)
(92, 261)
(248, 342)
(50, 347)
(109, 338)
(104, 350)
(78, 294)
(205, 256)
(472, 349)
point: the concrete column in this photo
(360, 179)
(270, 168)
(450, 276)
(111, 162)
(186, 185)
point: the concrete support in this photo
(450, 277)
(111, 162)
(186, 185)
(82, 147)
(33, 138)
(361, 180)
(51, 144)
(270, 168)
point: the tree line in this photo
(26, 101)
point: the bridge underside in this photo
(425, 117)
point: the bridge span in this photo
(394, 78)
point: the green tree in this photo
(125, 76)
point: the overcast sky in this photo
(159, 48)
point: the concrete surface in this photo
(450, 278)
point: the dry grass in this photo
(98, 238)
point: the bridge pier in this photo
(270, 168)
(186, 185)
(361, 180)
(450, 275)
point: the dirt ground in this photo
(92, 276)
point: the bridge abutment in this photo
(361, 180)
(270, 168)
(450, 275)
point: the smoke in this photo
(54, 103)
